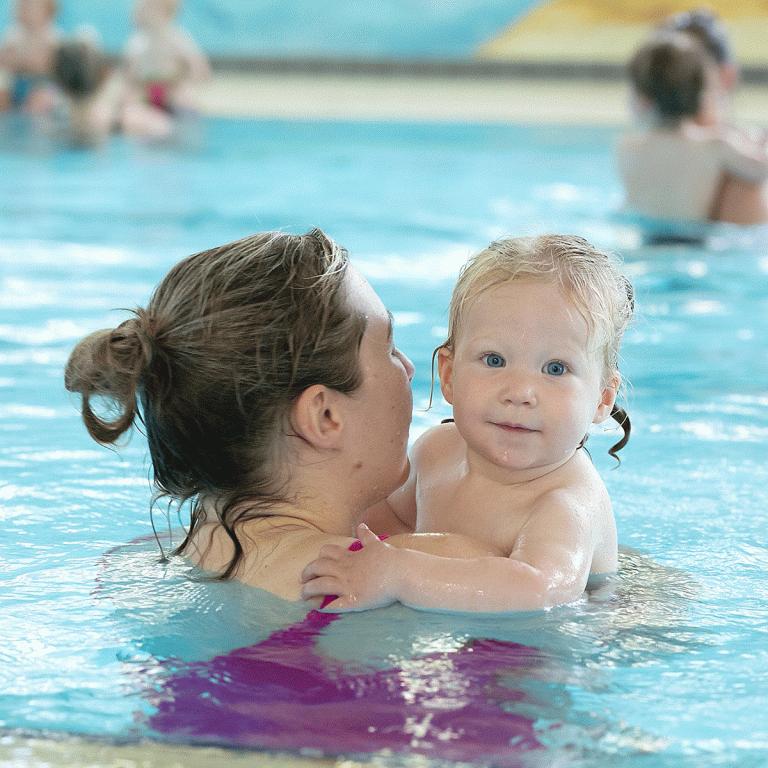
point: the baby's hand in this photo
(362, 580)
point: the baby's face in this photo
(525, 380)
(154, 13)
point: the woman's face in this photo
(379, 411)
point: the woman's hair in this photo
(230, 339)
(587, 276)
(670, 70)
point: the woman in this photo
(272, 397)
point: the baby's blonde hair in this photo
(588, 277)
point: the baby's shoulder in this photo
(574, 486)
(438, 438)
(434, 448)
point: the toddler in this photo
(530, 363)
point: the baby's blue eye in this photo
(555, 368)
(492, 360)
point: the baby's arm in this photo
(549, 566)
(368, 577)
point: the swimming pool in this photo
(102, 641)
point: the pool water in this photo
(670, 668)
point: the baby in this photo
(530, 363)
(674, 166)
(26, 53)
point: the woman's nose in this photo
(409, 368)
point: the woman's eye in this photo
(555, 368)
(492, 360)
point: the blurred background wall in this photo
(490, 32)
(430, 29)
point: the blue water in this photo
(672, 670)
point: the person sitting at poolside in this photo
(741, 201)
(162, 68)
(673, 166)
(272, 397)
(26, 53)
(530, 363)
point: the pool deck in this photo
(436, 98)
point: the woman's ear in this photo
(317, 418)
(607, 399)
(445, 372)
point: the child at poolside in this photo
(673, 167)
(530, 363)
(26, 53)
(162, 67)
(741, 201)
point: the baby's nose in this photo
(519, 389)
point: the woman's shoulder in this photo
(275, 552)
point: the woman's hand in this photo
(364, 579)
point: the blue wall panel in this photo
(410, 29)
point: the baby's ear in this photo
(607, 399)
(445, 360)
(317, 418)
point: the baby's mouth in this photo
(517, 428)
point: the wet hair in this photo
(228, 342)
(706, 27)
(588, 277)
(79, 68)
(670, 70)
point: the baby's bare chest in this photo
(493, 516)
